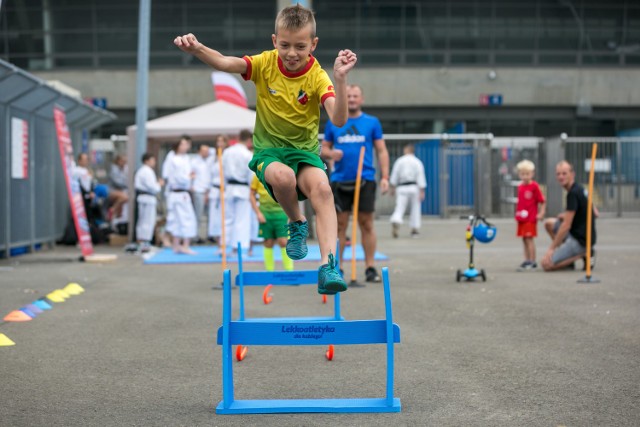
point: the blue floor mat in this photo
(209, 255)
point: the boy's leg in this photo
(313, 183)
(531, 248)
(269, 263)
(283, 182)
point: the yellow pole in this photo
(223, 240)
(354, 226)
(590, 207)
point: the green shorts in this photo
(291, 157)
(275, 225)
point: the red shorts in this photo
(527, 229)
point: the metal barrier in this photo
(477, 172)
(616, 171)
(456, 168)
(33, 202)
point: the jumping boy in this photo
(527, 212)
(290, 86)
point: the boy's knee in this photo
(321, 191)
(282, 178)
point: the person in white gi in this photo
(181, 218)
(215, 218)
(147, 187)
(201, 167)
(237, 176)
(408, 183)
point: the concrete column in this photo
(482, 196)
(553, 149)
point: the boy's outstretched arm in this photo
(337, 107)
(230, 64)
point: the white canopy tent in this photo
(202, 122)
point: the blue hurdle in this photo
(292, 332)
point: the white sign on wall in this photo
(19, 148)
(600, 165)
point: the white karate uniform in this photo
(215, 218)
(237, 176)
(145, 181)
(163, 173)
(179, 205)
(408, 176)
(200, 185)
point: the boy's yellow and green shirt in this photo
(267, 204)
(288, 104)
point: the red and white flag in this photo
(228, 88)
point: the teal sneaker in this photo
(330, 280)
(297, 243)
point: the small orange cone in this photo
(5, 341)
(17, 316)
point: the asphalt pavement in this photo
(138, 347)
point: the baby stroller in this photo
(477, 229)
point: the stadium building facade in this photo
(510, 67)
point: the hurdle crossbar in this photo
(279, 278)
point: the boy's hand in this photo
(188, 43)
(345, 61)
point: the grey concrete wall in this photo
(447, 87)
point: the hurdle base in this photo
(220, 287)
(280, 406)
(356, 284)
(589, 279)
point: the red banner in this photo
(73, 185)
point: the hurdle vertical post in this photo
(588, 278)
(354, 225)
(223, 237)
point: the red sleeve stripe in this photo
(327, 95)
(247, 74)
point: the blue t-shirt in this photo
(358, 132)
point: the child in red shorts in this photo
(528, 213)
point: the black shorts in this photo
(343, 193)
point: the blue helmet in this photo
(484, 233)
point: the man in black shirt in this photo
(569, 241)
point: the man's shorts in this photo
(275, 225)
(570, 248)
(527, 229)
(291, 157)
(344, 192)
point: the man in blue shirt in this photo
(342, 147)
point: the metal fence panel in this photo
(459, 160)
(34, 208)
(5, 174)
(616, 172)
(429, 153)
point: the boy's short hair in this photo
(525, 166)
(245, 134)
(295, 18)
(146, 157)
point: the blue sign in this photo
(99, 102)
(495, 99)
